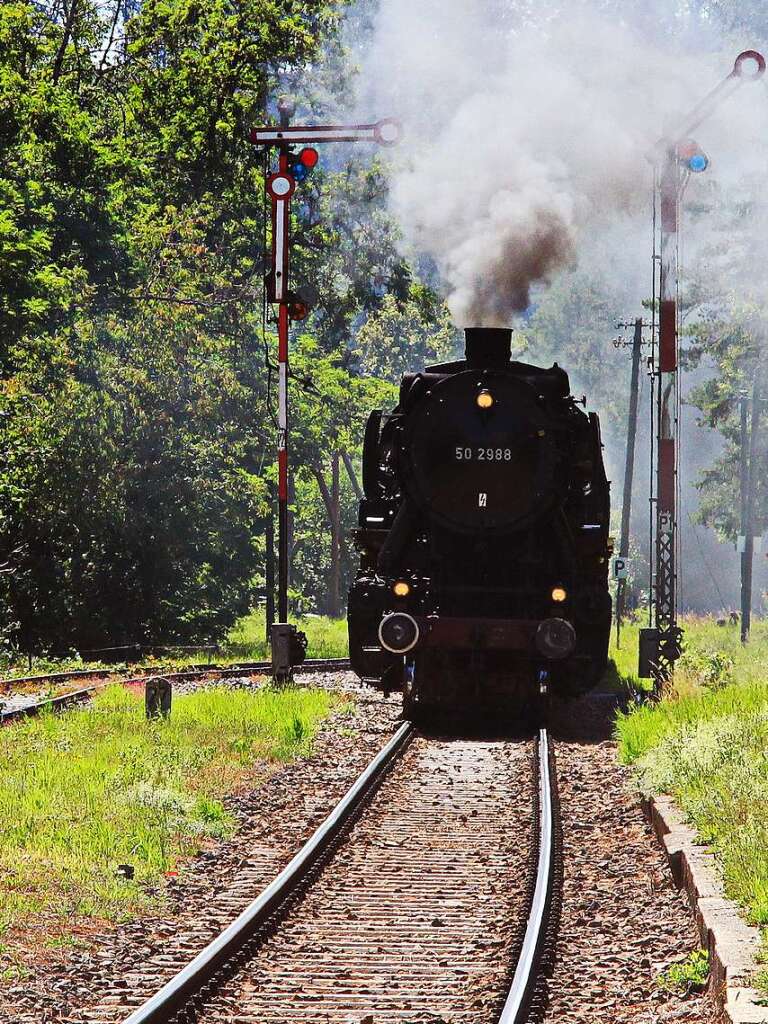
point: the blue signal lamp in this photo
(299, 171)
(698, 163)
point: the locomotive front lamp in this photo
(484, 399)
(555, 639)
(398, 633)
(401, 588)
(559, 594)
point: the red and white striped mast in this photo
(280, 186)
(678, 157)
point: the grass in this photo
(246, 642)
(689, 975)
(623, 665)
(706, 744)
(101, 786)
(327, 638)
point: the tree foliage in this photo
(137, 384)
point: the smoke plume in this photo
(524, 134)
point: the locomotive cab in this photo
(483, 536)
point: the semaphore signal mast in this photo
(677, 158)
(292, 169)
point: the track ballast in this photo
(418, 911)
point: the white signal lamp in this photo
(559, 594)
(484, 399)
(401, 588)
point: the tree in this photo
(403, 336)
(133, 397)
(331, 404)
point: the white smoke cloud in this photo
(526, 134)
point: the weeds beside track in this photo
(431, 886)
(82, 793)
(25, 706)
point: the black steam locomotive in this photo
(483, 537)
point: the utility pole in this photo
(269, 567)
(748, 503)
(678, 155)
(629, 462)
(743, 489)
(335, 602)
(287, 645)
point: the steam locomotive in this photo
(483, 537)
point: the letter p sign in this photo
(620, 568)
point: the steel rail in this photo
(309, 665)
(517, 1004)
(180, 990)
(64, 700)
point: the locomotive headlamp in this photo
(555, 639)
(398, 633)
(484, 399)
(402, 588)
(559, 594)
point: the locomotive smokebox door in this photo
(649, 652)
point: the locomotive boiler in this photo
(483, 537)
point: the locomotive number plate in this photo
(482, 454)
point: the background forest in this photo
(136, 355)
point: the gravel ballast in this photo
(623, 919)
(66, 984)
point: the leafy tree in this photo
(331, 404)
(733, 338)
(132, 391)
(401, 337)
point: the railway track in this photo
(24, 707)
(428, 894)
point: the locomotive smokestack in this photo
(487, 347)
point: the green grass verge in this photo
(706, 744)
(622, 671)
(326, 638)
(83, 792)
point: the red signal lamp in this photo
(301, 163)
(298, 309)
(687, 149)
